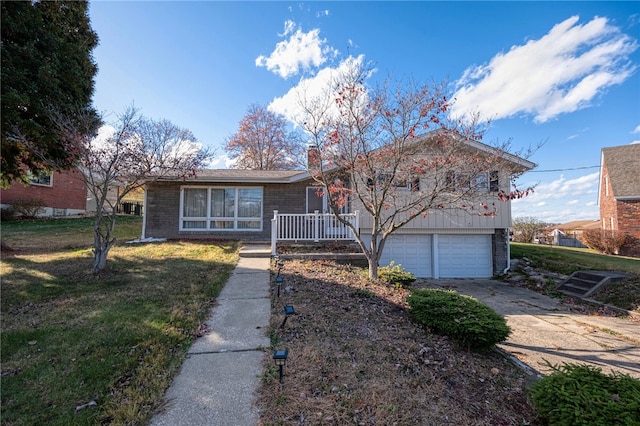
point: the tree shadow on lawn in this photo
(355, 356)
(69, 337)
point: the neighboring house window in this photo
(606, 186)
(42, 179)
(611, 222)
(221, 208)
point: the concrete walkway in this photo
(543, 330)
(217, 382)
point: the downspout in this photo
(508, 254)
(144, 214)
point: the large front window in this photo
(221, 208)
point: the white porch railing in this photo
(314, 227)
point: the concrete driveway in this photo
(544, 331)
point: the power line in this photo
(564, 170)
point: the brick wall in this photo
(163, 210)
(500, 239)
(607, 202)
(67, 192)
(628, 213)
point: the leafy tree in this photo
(47, 73)
(134, 151)
(262, 142)
(526, 228)
(394, 153)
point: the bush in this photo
(583, 395)
(472, 323)
(395, 274)
(28, 208)
(607, 242)
(7, 214)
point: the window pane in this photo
(249, 202)
(222, 224)
(245, 224)
(223, 202)
(194, 224)
(195, 202)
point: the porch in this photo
(311, 227)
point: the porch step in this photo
(585, 283)
(255, 250)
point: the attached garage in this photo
(464, 256)
(413, 252)
(441, 256)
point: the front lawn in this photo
(79, 349)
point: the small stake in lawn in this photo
(280, 358)
(288, 311)
(279, 280)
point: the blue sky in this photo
(562, 73)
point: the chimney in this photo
(314, 161)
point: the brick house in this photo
(269, 206)
(62, 193)
(619, 194)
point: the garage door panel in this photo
(413, 252)
(465, 256)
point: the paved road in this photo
(545, 331)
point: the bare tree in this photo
(525, 229)
(262, 142)
(135, 150)
(394, 153)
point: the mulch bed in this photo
(356, 357)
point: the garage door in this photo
(413, 252)
(465, 256)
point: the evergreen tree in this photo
(47, 78)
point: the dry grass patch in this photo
(355, 357)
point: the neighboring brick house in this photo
(62, 193)
(619, 194)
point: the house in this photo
(253, 205)
(569, 234)
(60, 193)
(619, 194)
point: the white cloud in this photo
(637, 129)
(308, 89)
(299, 51)
(548, 201)
(561, 72)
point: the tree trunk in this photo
(100, 258)
(373, 268)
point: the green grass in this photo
(566, 260)
(69, 339)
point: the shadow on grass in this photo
(109, 344)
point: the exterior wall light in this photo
(280, 358)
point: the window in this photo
(397, 181)
(482, 182)
(221, 208)
(41, 179)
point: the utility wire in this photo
(564, 170)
